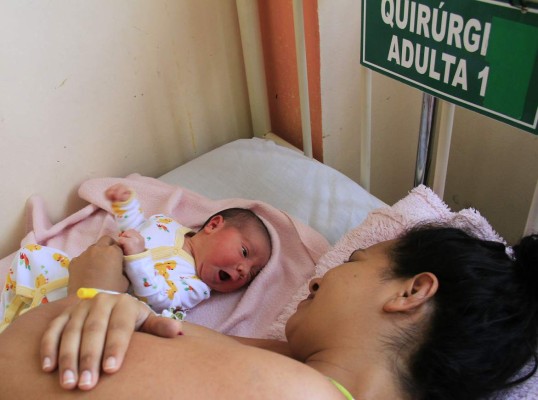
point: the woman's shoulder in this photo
(226, 369)
(195, 365)
(286, 378)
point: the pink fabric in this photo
(249, 312)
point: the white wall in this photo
(395, 110)
(493, 167)
(107, 88)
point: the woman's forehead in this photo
(356, 255)
(375, 249)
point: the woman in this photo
(436, 314)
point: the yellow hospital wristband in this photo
(90, 293)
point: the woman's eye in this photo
(351, 256)
(245, 252)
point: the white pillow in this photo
(259, 169)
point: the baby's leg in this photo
(38, 274)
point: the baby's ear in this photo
(415, 292)
(214, 223)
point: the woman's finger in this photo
(95, 334)
(69, 347)
(107, 333)
(92, 342)
(50, 342)
(161, 326)
(123, 322)
(105, 241)
(129, 316)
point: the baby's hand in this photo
(118, 192)
(131, 242)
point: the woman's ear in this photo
(415, 292)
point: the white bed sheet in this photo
(259, 169)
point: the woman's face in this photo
(347, 301)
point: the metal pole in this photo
(424, 139)
(365, 127)
(444, 137)
(532, 220)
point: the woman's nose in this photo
(313, 286)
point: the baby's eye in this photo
(245, 251)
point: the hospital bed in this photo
(313, 196)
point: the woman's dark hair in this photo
(484, 324)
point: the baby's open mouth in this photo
(224, 276)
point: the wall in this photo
(332, 31)
(493, 167)
(143, 87)
(100, 88)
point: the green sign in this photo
(479, 54)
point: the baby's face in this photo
(230, 258)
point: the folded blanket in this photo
(248, 312)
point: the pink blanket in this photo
(251, 311)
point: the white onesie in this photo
(164, 275)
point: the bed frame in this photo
(255, 72)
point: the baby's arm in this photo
(163, 293)
(125, 206)
(118, 193)
(131, 242)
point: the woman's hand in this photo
(98, 329)
(99, 266)
(95, 333)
